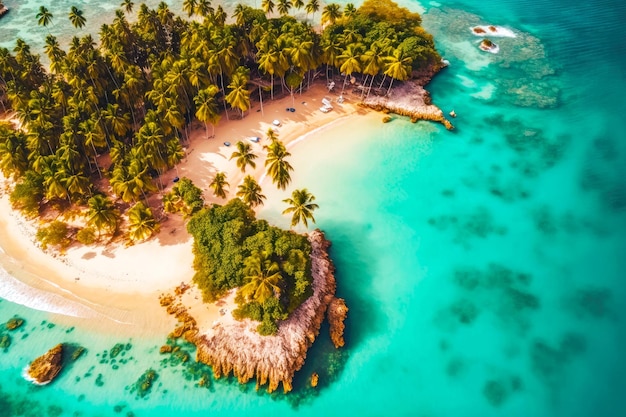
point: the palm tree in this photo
(250, 192)
(77, 18)
(297, 4)
(204, 8)
(349, 10)
(302, 206)
(239, 95)
(267, 6)
(262, 276)
(44, 17)
(189, 6)
(219, 185)
(350, 62)
(206, 107)
(277, 167)
(312, 7)
(127, 5)
(102, 214)
(331, 13)
(244, 156)
(398, 66)
(141, 223)
(283, 7)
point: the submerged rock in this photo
(314, 379)
(14, 323)
(46, 367)
(337, 312)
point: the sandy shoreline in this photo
(119, 286)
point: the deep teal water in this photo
(483, 268)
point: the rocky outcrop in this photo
(3, 10)
(408, 99)
(46, 367)
(236, 347)
(337, 313)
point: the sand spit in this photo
(232, 346)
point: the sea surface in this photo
(484, 268)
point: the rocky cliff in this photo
(235, 346)
(46, 367)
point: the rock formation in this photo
(337, 312)
(408, 99)
(236, 347)
(46, 367)
(3, 10)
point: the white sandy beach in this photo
(123, 283)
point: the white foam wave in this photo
(17, 292)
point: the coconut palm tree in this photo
(206, 107)
(331, 13)
(141, 223)
(297, 4)
(219, 185)
(398, 66)
(349, 10)
(313, 6)
(127, 5)
(268, 6)
(244, 156)
(262, 278)
(350, 61)
(302, 206)
(239, 95)
(250, 192)
(189, 6)
(102, 214)
(44, 17)
(277, 168)
(77, 18)
(283, 7)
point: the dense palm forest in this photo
(101, 125)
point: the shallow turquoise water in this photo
(483, 268)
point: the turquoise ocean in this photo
(484, 268)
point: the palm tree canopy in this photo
(77, 18)
(219, 185)
(244, 156)
(44, 17)
(302, 206)
(250, 192)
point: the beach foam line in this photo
(15, 291)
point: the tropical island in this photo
(96, 145)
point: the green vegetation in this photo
(184, 198)
(270, 266)
(55, 234)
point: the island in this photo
(146, 147)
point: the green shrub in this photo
(55, 234)
(86, 236)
